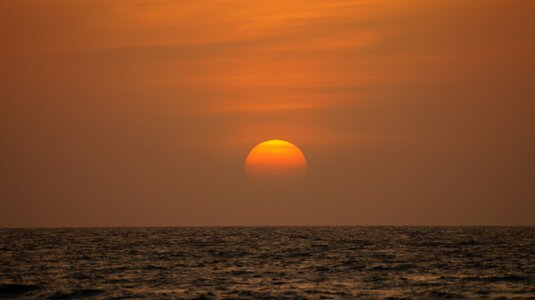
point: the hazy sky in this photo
(122, 113)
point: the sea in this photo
(268, 263)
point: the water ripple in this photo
(268, 263)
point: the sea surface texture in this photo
(268, 263)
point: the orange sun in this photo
(274, 160)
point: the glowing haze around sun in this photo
(275, 160)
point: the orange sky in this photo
(143, 112)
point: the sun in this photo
(275, 160)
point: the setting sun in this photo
(275, 159)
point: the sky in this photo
(142, 113)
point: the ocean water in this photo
(268, 263)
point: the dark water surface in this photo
(268, 263)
